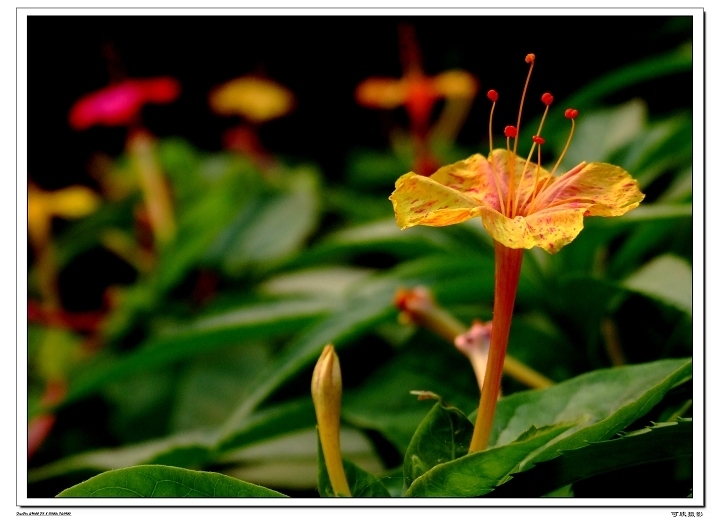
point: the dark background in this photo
(321, 59)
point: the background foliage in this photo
(203, 358)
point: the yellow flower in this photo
(521, 206)
(544, 210)
(416, 91)
(254, 98)
(69, 203)
(419, 93)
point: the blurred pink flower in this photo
(120, 104)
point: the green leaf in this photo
(273, 228)
(681, 188)
(188, 449)
(165, 482)
(183, 449)
(593, 94)
(209, 387)
(379, 237)
(383, 402)
(600, 403)
(324, 280)
(362, 484)
(354, 206)
(666, 146)
(479, 473)
(370, 168)
(655, 67)
(86, 233)
(655, 443)
(598, 134)
(350, 320)
(649, 212)
(649, 240)
(200, 336)
(199, 225)
(667, 279)
(443, 435)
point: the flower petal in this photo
(456, 84)
(473, 178)
(381, 93)
(418, 200)
(73, 202)
(527, 177)
(606, 189)
(550, 229)
(120, 104)
(254, 98)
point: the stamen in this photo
(571, 114)
(511, 131)
(530, 58)
(547, 99)
(522, 178)
(493, 96)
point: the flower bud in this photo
(326, 392)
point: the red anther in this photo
(530, 58)
(492, 95)
(571, 114)
(547, 98)
(539, 140)
(510, 131)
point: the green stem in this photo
(155, 191)
(507, 274)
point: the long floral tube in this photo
(507, 274)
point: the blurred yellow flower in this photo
(417, 92)
(256, 99)
(69, 203)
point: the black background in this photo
(321, 59)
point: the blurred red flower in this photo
(120, 104)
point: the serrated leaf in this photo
(362, 484)
(442, 436)
(601, 403)
(165, 482)
(667, 279)
(479, 473)
(652, 444)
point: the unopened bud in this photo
(326, 392)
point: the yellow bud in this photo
(326, 394)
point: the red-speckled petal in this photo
(550, 229)
(606, 190)
(418, 200)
